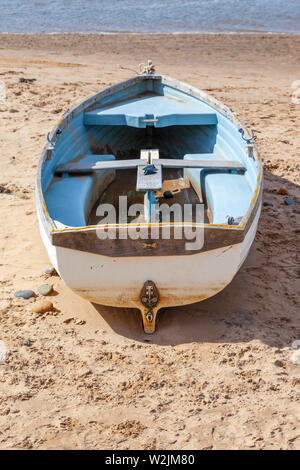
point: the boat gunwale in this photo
(68, 116)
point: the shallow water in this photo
(90, 16)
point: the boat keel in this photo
(149, 298)
(149, 320)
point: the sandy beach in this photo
(216, 374)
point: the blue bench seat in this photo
(69, 199)
(226, 193)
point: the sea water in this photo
(166, 16)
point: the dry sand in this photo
(217, 374)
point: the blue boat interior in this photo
(145, 116)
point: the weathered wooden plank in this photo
(88, 241)
(88, 167)
(156, 109)
(202, 164)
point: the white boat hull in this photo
(118, 281)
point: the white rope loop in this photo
(148, 68)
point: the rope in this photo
(142, 68)
(127, 68)
(147, 68)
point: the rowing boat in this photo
(148, 195)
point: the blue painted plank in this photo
(159, 111)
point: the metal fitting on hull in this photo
(149, 298)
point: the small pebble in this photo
(50, 271)
(289, 201)
(282, 191)
(45, 289)
(42, 306)
(3, 352)
(27, 80)
(295, 358)
(278, 363)
(4, 190)
(296, 344)
(266, 203)
(25, 294)
(26, 342)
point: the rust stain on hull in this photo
(132, 298)
(168, 297)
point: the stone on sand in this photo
(295, 358)
(278, 363)
(282, 191)
(289, 201)
(268, 204)
(3, 352)
(42, 306)
(50, 271)
(45, 289)
(24, 294)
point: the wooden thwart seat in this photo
(89, 167)
(147, 180)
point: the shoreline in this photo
(162, 33)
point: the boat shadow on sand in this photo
(259, 304)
